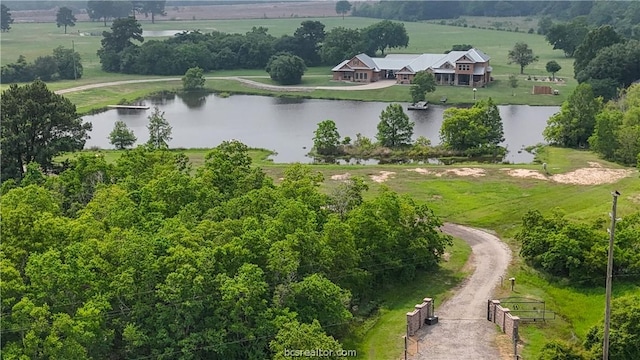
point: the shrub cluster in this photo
(577, 251)
(62, 64)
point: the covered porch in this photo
(447, 78)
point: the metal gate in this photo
(528, 309)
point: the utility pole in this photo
(607, 309)
(73, 55)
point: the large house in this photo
(469, 68)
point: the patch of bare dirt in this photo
(525, 173)
(591, 176)
(594, 164)
(341, 177)
(474, 172)
(421, 171)
(382, 177)
(505, 346)
(634, 198)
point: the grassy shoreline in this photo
(96, 99)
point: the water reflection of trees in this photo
(194, 99)
(287, 100)
(325, 160)
(163, 98)
(127, 111)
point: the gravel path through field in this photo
(244, 80)
(463, 331)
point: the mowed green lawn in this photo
(39, 39)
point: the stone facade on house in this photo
(464, 68)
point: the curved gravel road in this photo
(463, 331)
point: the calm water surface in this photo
(160, 33)
(287, 125)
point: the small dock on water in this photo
(421, 105)
(129, 107)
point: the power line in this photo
(607, 311)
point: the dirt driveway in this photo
(463, 331)
(368, 86)
(244, 80)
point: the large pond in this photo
(160, 33)
(287, 125)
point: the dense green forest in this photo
(147, 258)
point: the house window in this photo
(365, 76)
(405, 77)
(464, 67)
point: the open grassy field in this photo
(495, 200)
(38, 39)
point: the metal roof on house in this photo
(401, 56)
(451, 58)
(426, 61)
(483, 57)
(478, 70)
(367, 60)
(392, 63)
(418, 62)
(337, 68)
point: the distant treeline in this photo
(603, 12)
(253, 50)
